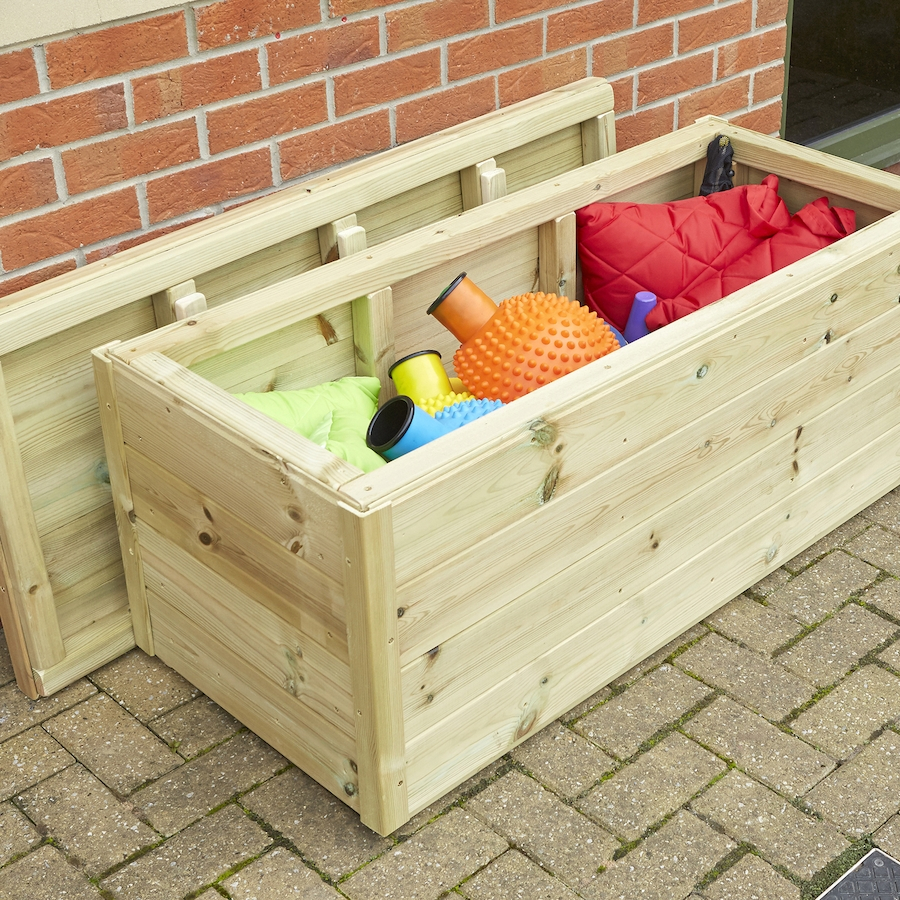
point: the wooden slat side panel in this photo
(230, 469)
(322, 750)
(28, 582)
(256, 270)
(422, 205)
(440, 602)
(275, 574)
(277, 644)
(438, 683)
(293, 357)
(54, 405)
(541, 159)
(598, 416)
(529, 698)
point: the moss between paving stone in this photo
(827, 876)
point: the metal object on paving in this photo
(875, 877)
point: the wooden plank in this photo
(556, 255)
(96, 643)
(544, 157)
(274, 573)
(28, 584)
(280, 719)
(328, 237)
(123, 502)
(268, 265)
(286, 359)
(443, 679)
(517, 707)
(446, 598)
(598, 137)
(15, 635)
(375, 673)
(278, 647)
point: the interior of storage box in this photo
(319, 349)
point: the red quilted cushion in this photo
(692, 252)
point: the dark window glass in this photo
(844, 65)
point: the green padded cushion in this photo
(334, 415)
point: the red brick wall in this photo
(113, 135)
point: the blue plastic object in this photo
(636, 328)
(458, 414)
(400, 426)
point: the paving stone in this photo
(469, 787)
(848, 716)
(879, 547)
(194, 727)
(822, 588)
(759, 748)
(750, 878)
(326, 831)
(834, 539)
(120, 751)
(750, 678)
(886, 596)
(623, 723)
(563, 760)
(576, 712)
(783, 835)
(651, 787)
(770, 583)
(828, 652)
(864, 792)
(45, 875)
(554, 834)
(666, 865)
(887, 837)
(17, 834)
(278, 875)
(144, 685)
(761, 628)
(6, 670)
(885, 511)
(18, 712)
(198, 786)
(515, 876)
(891, 656)
(88, 822)
(661, 655)
(431, 862)
(28, 758)
(195, 857)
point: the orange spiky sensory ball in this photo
(531, 340)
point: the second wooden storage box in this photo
(392, 633)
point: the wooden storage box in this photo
(63, 601)
(394, 632)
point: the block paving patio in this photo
(757, 756)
